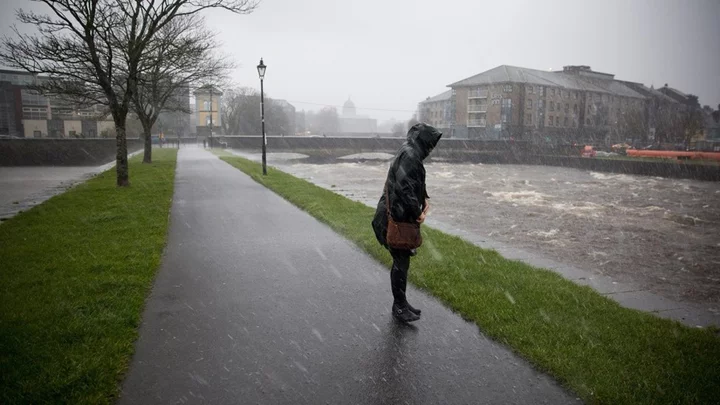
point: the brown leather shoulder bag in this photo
(401, 235)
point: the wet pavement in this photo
(258, 302)
(650, 243)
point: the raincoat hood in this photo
(423, 138)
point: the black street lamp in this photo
(211, 119)
(261, 71)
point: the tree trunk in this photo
(147, 154)
(121, 167)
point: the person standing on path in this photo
(408, 199)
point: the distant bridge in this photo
(322, 149)
(343, 146)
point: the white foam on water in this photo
(544, 234)
(528, 197)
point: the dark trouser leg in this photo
(398, 275)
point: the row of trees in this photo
(128, 55)
(673, 122)
(241, 114)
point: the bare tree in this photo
(92, 50)
(322, 122)
(241, 115)
(633, 124)
(181, 56)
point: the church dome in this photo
(349, 108)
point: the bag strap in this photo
(387, 202)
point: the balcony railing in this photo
(476, 108)
(476, 123)
(477, 94)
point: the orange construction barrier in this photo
(671, 154)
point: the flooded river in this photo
(662, 235)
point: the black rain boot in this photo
(403, 314)
(413, 309)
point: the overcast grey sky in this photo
(391, 54)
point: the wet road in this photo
(658, 235)
(257, 302)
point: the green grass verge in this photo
(602, 351)
(75, 273)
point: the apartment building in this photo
(25, 113)
(575, 104)
(439, 111)
(531, 104)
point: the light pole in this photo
(211, 117)
(261, 71)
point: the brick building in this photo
(575, 104)
(25, 113)
(439, 111)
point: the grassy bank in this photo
(605, 353)
(75, 272)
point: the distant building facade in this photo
(575, 104)
(351, 122)
(25, 113)
(208, 100)
(176, 123)
(439, 111)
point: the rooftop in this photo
(446, 95)
(572, 78)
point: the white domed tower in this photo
(349, 109)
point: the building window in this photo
(550, 120)
(567, 107)
(541, 104)
(530, 89)
(91, 133)
(575, 108)
(528, 118)
(575, 95)
(529, 104)
(34, 113)
(31, 97)
(540, 90)
(597, 97)
(206, 105)
(507, 88)
(557, 121)
(504, 118)
(496, 102)
(552, 106)
(72, 134)
(566, 122)
(207, 120)
(506, 102)
(37, 134)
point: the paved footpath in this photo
(258, 302)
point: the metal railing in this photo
(477, 108)
(477, 94)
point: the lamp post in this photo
(261, 71)
(211, 118)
